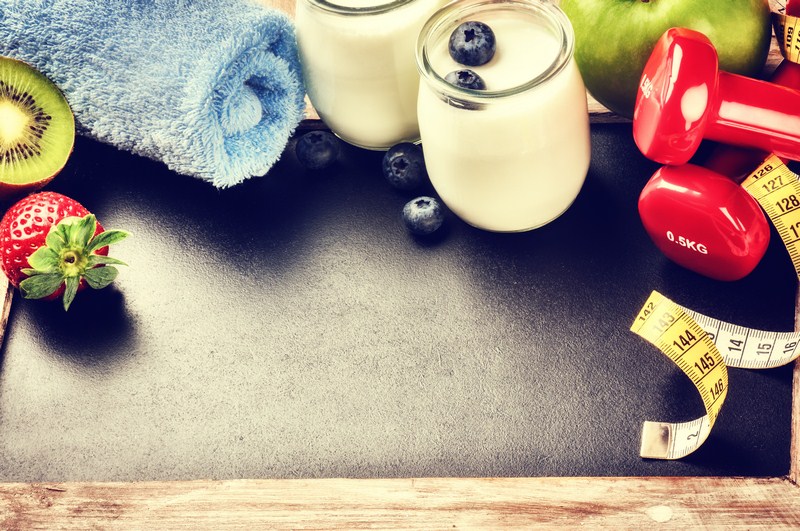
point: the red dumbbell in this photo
(704, 221)
(684, 98)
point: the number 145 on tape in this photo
(703, 348)
(670, 328)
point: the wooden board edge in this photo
(425, 503)
(7, 293)
(794, 452)
(794, 449)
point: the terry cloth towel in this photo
(210, 87)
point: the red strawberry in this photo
(51, 245)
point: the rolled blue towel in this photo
(210, 87)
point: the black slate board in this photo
(290, 327)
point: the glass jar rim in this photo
(459, 8)
(338, 9)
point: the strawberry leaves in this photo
(41, 285)
(70, 256)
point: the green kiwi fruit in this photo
(37, 128)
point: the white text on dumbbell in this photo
(686, 242)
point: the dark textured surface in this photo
(290, 327)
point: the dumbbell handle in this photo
(758, 114)
(735, 162)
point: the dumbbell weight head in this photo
(704, 221)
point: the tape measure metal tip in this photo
(656, 440)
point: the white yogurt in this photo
(513, 157)
(359, 69)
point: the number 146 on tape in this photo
(703, 348)
(670, 328)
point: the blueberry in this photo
(317, 150)
(404, 166)
(423, 215)
(465, 78)
(472, 44)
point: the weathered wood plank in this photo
(618, 503)
(794, 449)
(794, 452)
(7, 295)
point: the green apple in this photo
(614, 38)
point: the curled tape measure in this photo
(786, 32)
(670, 328)
(703, 348)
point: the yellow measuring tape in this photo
(786, 33)
(670, 328)
(704, 347)
(777, 190)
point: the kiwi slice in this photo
(37, 129)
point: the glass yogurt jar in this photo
(358, 66)
(513, 156)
